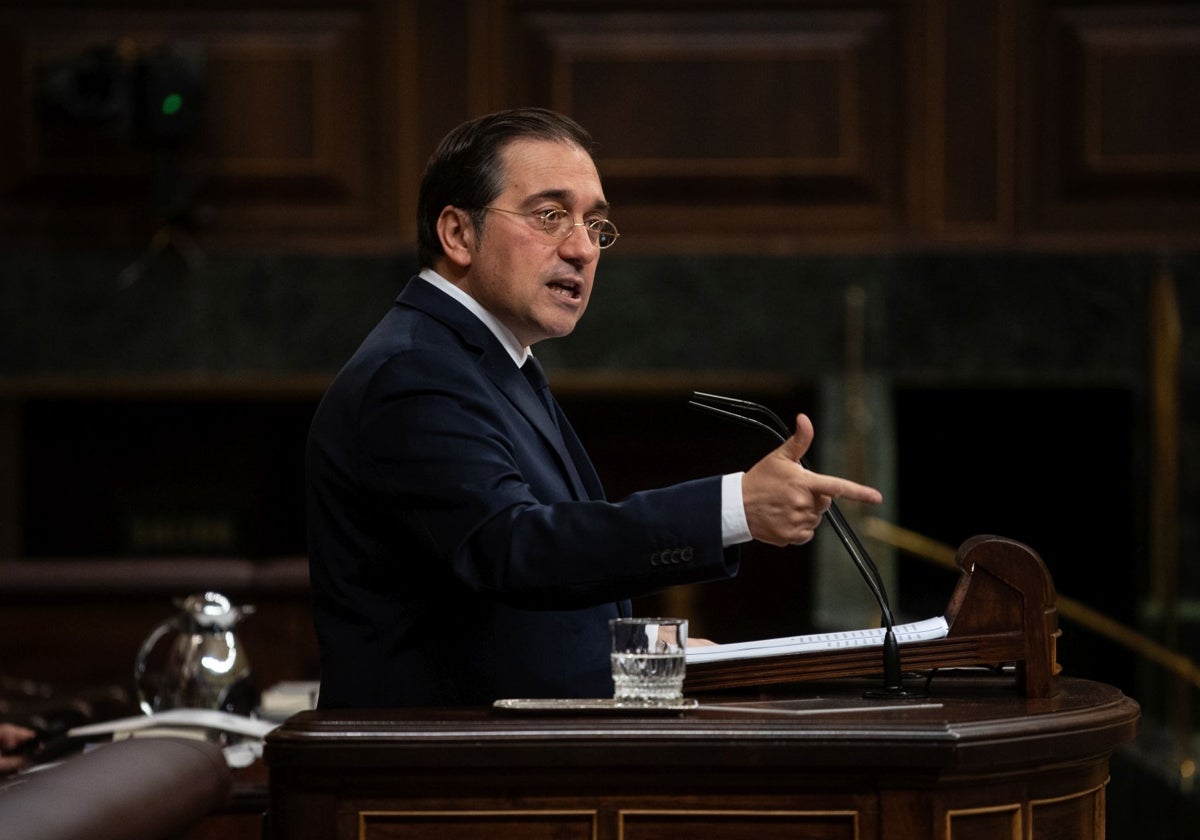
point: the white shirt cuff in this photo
(734, 529)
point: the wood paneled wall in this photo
(723, 126)
(288, 133)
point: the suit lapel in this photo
(579, 457)
(513, 384)
(507, 377)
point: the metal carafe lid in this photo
(212, 610)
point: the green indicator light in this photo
(171, 104)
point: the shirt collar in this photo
(503, 334)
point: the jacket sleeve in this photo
(458, 471)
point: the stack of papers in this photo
(196, 720)
(917, 631)
(241, 750)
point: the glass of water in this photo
(648, 660)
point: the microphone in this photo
(739, 411)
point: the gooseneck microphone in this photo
(740, 411)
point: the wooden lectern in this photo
(1001, 612)
(1020, 753)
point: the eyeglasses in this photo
(560, 224)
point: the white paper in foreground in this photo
(198, 718)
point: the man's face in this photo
(538, 286)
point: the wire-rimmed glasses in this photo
(560, 224)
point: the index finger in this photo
(842, 488)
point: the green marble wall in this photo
(1065, 334)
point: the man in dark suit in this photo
(461, 546)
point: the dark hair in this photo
(465, 170)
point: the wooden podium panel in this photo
(975, 759)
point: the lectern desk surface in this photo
(976, 758)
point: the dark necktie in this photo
(537, 378)
(541, 386)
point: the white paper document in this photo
(917, 631)
(211, 719)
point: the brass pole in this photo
(1165, 343)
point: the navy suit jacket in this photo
(455, 556)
